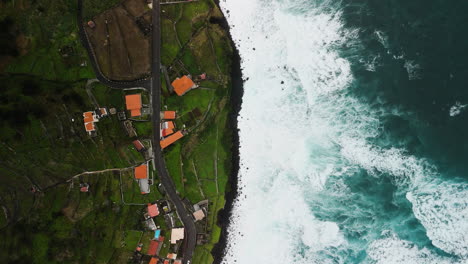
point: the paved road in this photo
(190, 239)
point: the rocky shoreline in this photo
(235, 102)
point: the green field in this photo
(44, 143)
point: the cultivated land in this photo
(44, 143)
(121, 39)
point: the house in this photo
(139, 247)
(141, 175)
(167, 128)
(138, 145)
(172, 256)
(154, 260)
(171, 139)
(153, 210)
(89, 118)
(177, 234)
(133, 103)
(153, 248)
(199, 215)
(166, 261)
(168, 115)
(177, 261)
(141, 172)
(183, 85)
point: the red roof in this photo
(84, 189)
(171, 139)
(182, 85)
(154, 260)
(167, 132)
(177, 261)
(161, 239)
(153, 248)
(138, 145)
(166, 261)
(141, 172)
(153, 210)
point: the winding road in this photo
(154, 86)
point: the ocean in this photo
(352, 131)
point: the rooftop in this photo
(133, 103)
(171, 139)
(153, 210)
(177, 234)
(141, 172)
(183, 85)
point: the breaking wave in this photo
(307, 154)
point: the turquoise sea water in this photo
(353, 131)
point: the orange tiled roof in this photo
(169, 115)
(133, 103)
(153, 248)
(135, 112)
(89, 127)
(88, 117)
(141, 172)
(153, 260)
(171, 139)
(182, 85)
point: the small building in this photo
(183, 85)
(91, 24)
(84, 187)
(177, 234)
(153, 210)
(154, 260)
(171, 139)
(199, 215)
(153, 248)
(166, 261)
(138, 145)
(102, 112)
(141, 172)
(113, 111)
(133, 103)
(171, 255)
(177, 261)
(168, 115)
(167, 128)
(89, 118)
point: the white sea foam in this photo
(457, 108)
(392, 250)
(295, 135)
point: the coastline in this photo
(235, 103)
